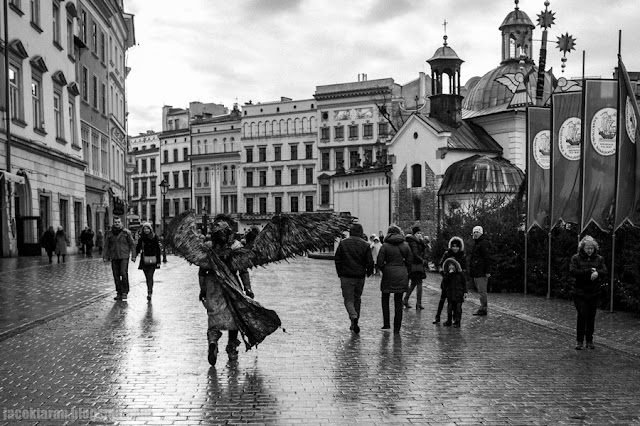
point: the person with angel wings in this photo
(229, 303)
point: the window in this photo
(294, 176)
(175, 156)
(143, 165)
(324, 161)
(165, 155)
(339, 159)
(249, 205)
(152, 165)
(136, 190)
(70, 50)
(367, 130)
(233, 174)
(185, 202)
(72, 123)
(95, 92)
(324, 194)
(206, 176)
(353, 131)
(85, 84)
(199, 177)
(278, 203)
(225, 172)
(294, 152)
(153, 189)
(383, 129)
(263, 205)
(56, 23)
(249, 178)
(83, 27)
(57, 114)
(185, 153)
(15, 91)
(294, 204)
(263, 177)
(143, 184)
(36, 102)
(176, 179)
(278, 177)
(185, 179)
(308, 203)
(35, 12)
(324, 133)
(354, 159)
(338, 132)
(94, 37)
(199, 148)
(165, 209)
(103, 98)
(102, 46)
(165, 177)
(277, 153)
(308, 151)
(64, 214)
(308, 173)
(176, 207)
(250, 155)
(262, 154)
(416, 176)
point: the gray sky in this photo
(226, 51)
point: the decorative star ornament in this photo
(546, 19)
(566, 43)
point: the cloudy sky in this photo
(259, 50)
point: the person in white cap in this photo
(480, 266)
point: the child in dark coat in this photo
(456, 251)
(455, 286)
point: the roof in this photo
(468, 136)
(516, 17)
(446, 53)
(481, 174)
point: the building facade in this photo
(143, 191)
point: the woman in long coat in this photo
(61, 244)
(48, 242)
(394, 260)
(148, 247)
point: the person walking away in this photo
(353, 261)
(417, 274)
(88, 241)
(375, 249)
(149, 248)
(61, 244)
(99, 241)
(455, 251)
(395, 261)
(588, 269)
(381, 237)
(118, 246)
(455, 286)
(480, 266)
(48, 242)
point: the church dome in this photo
(480, 174)
(489, 93)
(445, 52)
(516, 17)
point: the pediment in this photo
(58, 77)
(73, 88)
(38, 63)
(17, 48)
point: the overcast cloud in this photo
(260, 50)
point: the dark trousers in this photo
(587, 308)
(148, 274)
(397, 315)
(120, 269)
(454, 309)
(352, 294)
(443, 298)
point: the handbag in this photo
(148, 260)
(417, 267)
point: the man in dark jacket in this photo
(353, 262)
(118, 247)
(480, 266)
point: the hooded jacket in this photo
(394, 260)
(582, 265)
(453, 283)
(353, 257)
(460, 256)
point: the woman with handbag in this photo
(149, 249)
(417, 273)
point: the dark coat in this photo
(148, 246)
(86, 237)
(580, 269)
(460, 256)
(394, 260)
(353, 258)
(454, 283)
(480, 257)
(48, 241)
(118, 245)
(417, 252)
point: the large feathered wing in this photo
(292, 234)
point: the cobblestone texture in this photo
(145, 363)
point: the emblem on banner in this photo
(569, 137)
(630, 120)
(603, 131)
(542, 149)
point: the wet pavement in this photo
(70, 354)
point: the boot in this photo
(232, 352)
(405, 302)
(354, 325)
(213, 353)
(447, 323)
(437, 321)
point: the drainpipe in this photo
(7, 113)
(387, 174)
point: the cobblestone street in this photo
(68, 348)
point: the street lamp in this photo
(164, 187)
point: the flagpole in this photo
(526, 258)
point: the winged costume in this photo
(285, 236)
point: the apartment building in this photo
(144, 190)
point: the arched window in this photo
(199, 149)
(305, 129)
(225, 171)
(224, 144)
(206, 176)
(233, 174)
(175, 156)
(206, 147)
(246, 131)
(416, 176)
(274, 125)
(233, 144)
(215, 146)
(199, 176)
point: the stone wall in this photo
(408, 199)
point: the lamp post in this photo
(164, 187)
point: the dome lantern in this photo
(517, 30)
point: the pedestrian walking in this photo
(455, 286)
(455, 251)
(149, 248)
(375, 249)
(118, 247)
(99, 241)
(417, 274)
(48, 242)
(395, 261)
(86, 239)
(588, 269)
(480, 266)
(381, 237)
(353, 261)
(62, 240)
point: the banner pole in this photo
(549, 268)
(613, 267)
(526, 258)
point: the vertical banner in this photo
(628, 188)
(599, 127)
(566, 138)
(538, 165)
